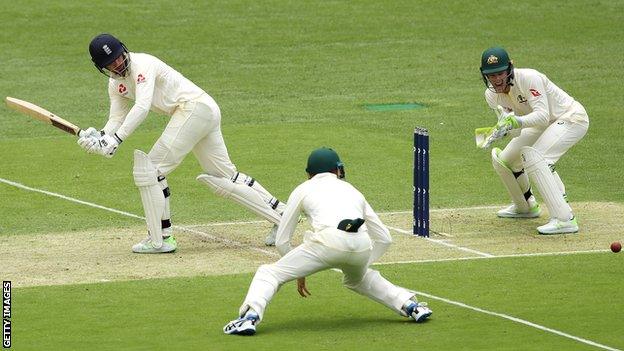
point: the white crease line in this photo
(441, 242)
(434, 210)
(267, 252)
(22, 186)
(226, 241)
(220, 224)
(536, 254)
(518, 320)
(232, 242)
(128, 214)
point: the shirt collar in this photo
(324, 175)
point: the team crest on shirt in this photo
(535, 92)
(140, 79)
(492, 60)
(521, 99)
(122, 89)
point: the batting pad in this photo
(245, 193)
(511, 183)
(545, 182)
(146, 179)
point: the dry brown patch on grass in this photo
(100, 256)
(105, 255)
(600, 224)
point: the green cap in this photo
(494, 60)
(323, 160)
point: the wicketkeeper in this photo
(545, 123)
(347, 235)
(195, 126)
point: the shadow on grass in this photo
(335, 325)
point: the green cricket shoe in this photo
(512, 212)
(147, 247)
(555, 226)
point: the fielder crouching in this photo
(347, 235)
(195, 126)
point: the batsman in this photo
(194, 126)
(544, 122)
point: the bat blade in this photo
(38, 112)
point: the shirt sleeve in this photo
(379, 234)
(145, 83)
(538, 101)
(491, 100)
(118, 110)
(289, 220)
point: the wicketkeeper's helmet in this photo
(105, 49)
(495, 60)
(325, 160)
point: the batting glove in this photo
(89, 139)
(93, 132)
(108, 145)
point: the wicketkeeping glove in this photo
(505, 125)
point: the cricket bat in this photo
(43, 115)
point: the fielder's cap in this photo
(323, 160)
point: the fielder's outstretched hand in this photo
(302, 288)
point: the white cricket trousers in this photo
(349, 252)
(552, 142)
(194, 126)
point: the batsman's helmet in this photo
(495, 60)
(105, 49)
(325, 160)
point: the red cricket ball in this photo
(616, 246)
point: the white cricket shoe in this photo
(555, 226)
(512, 211)
(146, 246)
(270, 239)
(242, 326)
(417, 310)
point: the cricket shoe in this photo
(242, 326)
(417, 310)
(270, 239)
(146, 246)
(512, 211)
(556, 226)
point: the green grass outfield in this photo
(565, 294)
(291, 76)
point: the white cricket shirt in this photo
(153, 85)
(534, 99)
(326, 200)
